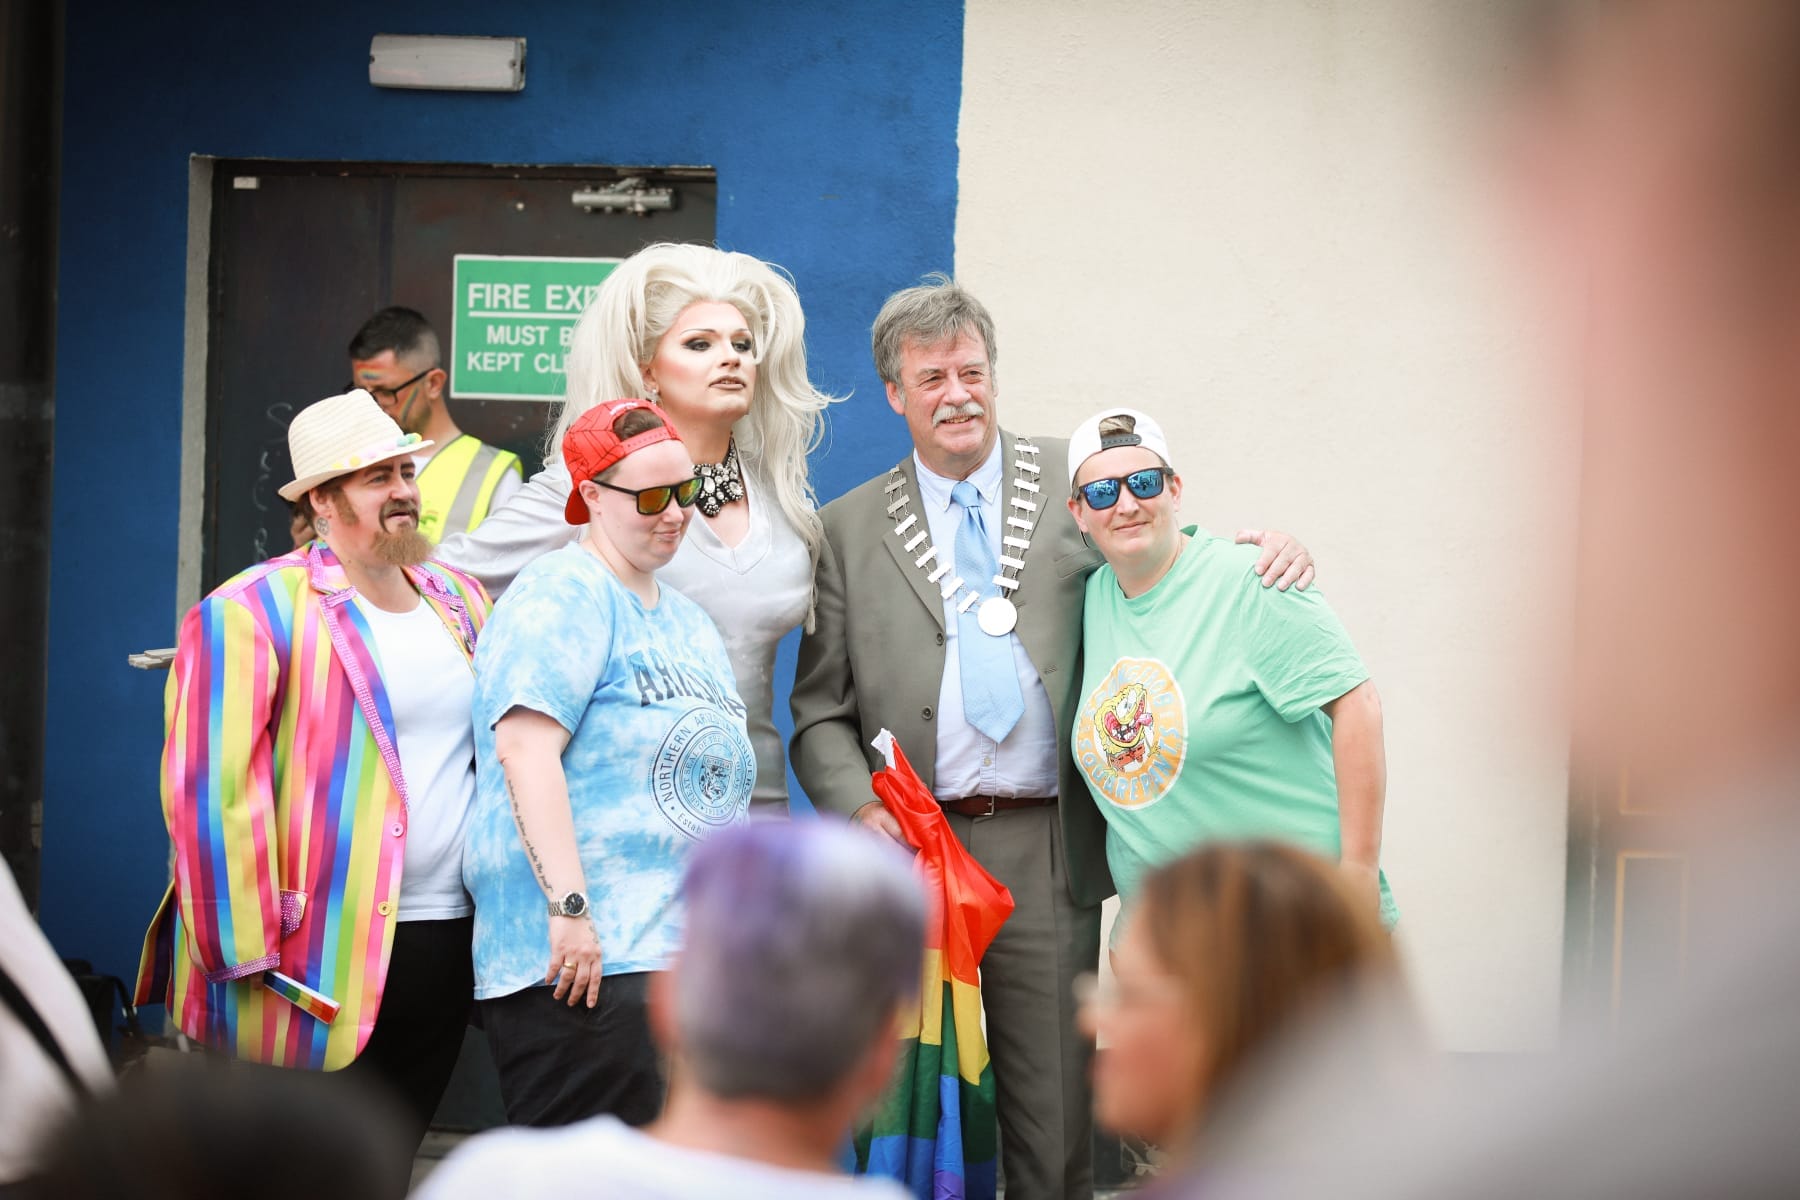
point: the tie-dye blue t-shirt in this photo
(657, 759)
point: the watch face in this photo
(574, 904)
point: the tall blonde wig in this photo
(637, 304)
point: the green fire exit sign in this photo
(514, 318)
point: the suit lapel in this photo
(904, 559)
(1040, 564)
(450, 607)
(1009, 475)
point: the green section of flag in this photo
(913, 1104)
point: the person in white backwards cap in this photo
(1211, 709)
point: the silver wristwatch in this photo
(574, 904)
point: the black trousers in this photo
(425, 1005)
(560, 1064)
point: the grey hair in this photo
(931, 314)
(803, 938)
(636, 305)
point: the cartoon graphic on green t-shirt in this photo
(1132, 741)
(1202, 715)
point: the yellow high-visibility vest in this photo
(458, 483)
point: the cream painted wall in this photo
(1259, 220)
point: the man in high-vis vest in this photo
(395, 358)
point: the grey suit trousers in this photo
(1027, 977)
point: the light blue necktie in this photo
(990, 681)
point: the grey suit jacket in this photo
(876, 657)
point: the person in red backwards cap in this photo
(610, 740)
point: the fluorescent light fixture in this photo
(457, 64)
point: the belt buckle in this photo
(993, 806)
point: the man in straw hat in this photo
(316, 778)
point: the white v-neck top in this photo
(756, 593)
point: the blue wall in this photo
(833, 130)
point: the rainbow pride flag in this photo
(936, 1131)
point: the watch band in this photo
(562, 906)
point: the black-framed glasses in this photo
(652, 500)
(391, 394)
(1145, 485)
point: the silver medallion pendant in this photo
(997, 616)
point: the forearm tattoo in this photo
(537, 864)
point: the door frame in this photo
(1612, 830)
(190, 535)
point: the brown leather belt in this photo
(987, 806)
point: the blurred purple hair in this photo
(802, 938)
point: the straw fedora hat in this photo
(341, 434)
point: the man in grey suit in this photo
(949, 612)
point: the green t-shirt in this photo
(1201, 715)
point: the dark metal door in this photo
(303, 252)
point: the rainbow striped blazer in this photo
(285, 800)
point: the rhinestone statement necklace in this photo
(720, 483)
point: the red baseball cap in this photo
(590, 447)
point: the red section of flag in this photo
(975, 904)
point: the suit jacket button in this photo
(926, 712)
(940, 639)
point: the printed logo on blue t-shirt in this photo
(703, 772)
(660, 679)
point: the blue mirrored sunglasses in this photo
(1104, 493)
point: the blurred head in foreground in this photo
(1658, 161)
(1228, 950)
(803, 942)
(192, 1130)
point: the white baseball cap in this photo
(1086, 441)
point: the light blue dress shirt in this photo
(968, 762)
